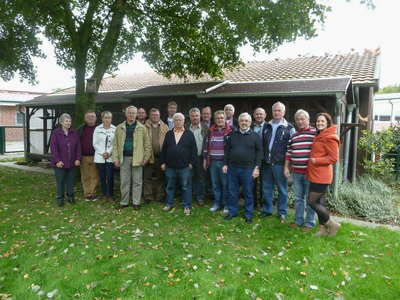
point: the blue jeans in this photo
(197, 180)
(240, 177)
(300, 187)
(272, 174)
(106, 174)
(183, 176)
(219, 181)
(65, 176)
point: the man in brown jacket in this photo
(157, 130)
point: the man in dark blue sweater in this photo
(242, 160)
(178, 155)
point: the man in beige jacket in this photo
(131, 151)
(157, 130)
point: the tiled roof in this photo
(361, 67)
(17, 96)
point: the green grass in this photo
(91, 251)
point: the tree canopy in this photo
(175, 36)
(390, 89)
(19, 42)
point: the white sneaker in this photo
(214, 208)
(226, 210)
(186, 211)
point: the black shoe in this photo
(60, 203)
(119, 207)
(282, 218)
(147, 201)
(249, 220)
(72, 201)
(136, 207)
(229, 217)
(264, 215)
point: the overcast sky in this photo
(349, 25)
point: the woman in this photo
(66, 154)
(103, 138)
(324, 153)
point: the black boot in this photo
(71, 201)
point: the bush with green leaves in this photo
(379, 144)
(368, 198)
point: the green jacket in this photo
(141, 144)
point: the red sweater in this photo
(325, 150)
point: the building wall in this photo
(8, 118)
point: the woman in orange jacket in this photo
(324, 153)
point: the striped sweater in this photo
(299, 148)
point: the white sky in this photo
(349, 25)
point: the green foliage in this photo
(390, 89)
(19, 42)
(368, 198)
(379, 144)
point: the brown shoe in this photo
(119, 207)
(136, 207)
(260, 208)
(111, 200)
(306, 229)
(201, 203)
(105, 199)
(294, 225)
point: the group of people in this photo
(218, 156)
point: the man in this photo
(297, 156)
(229, 110)
(213, 159)
(172, 108)
(206, 116)
(89, 172)
(157, 130)
(276, 134)
(178, 155)
(200, 131)
(131, 151)
(206, 119)
(141, 115)
(259, 120)
(243, 155)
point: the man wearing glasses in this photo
(89, 172)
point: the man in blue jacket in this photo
(276, 134)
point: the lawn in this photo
(91, 251)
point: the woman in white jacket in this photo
(103, 138)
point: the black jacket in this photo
(278, 151)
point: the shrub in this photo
(368, 198)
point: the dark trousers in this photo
(106, 174)
(65, 177)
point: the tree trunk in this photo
(84, 101)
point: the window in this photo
(19, 118)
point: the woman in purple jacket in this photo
(66, 154)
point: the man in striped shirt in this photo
(213, 157)
(297, 156)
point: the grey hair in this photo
(301, 112)
(220, 112)
(129, 107)
(178, 115)
(245, 114)
(194, 109)
(106, 114)
(207, 107)
(230, 106)
(281, 104)
(65, 116)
